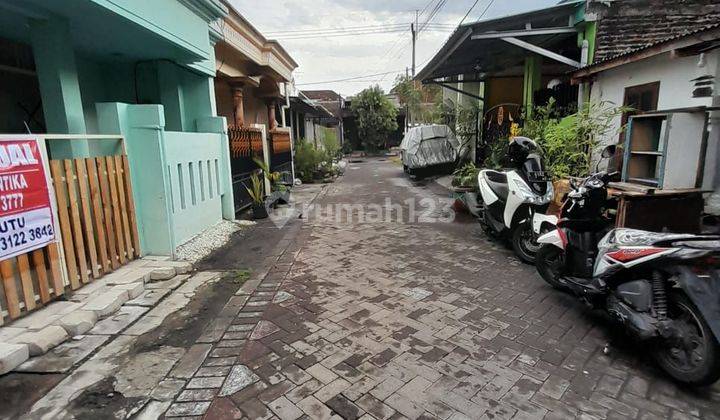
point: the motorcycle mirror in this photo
(609, 151)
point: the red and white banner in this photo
(26, 215)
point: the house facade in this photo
(312, 121)
(252, 90)
(508, 64)
(665, 68)
(334, 103)
(140, 69)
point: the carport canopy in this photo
(498, 47)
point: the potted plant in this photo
(280, 193)
(465, 185)
(256, 194)
(465, 178)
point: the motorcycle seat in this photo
(497, 181)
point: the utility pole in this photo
(413, 28)
(407, 109)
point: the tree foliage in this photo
(463, 120)
(419, 99)
(376, 117)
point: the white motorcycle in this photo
(510, 198)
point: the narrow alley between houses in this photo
(359, 210)
(387, 318)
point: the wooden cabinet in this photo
(665, 149)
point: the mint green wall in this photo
(142, 126)
(219, 125)
(59, 86)
(195, 171)
(172, 209)
(172, 20)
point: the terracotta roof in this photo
(629, 25)
(322, 95)
(627, 54)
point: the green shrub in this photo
(466, 176)
(331, 146)
(497, 154)
(307, 160)
(312, 163)
(567, 143)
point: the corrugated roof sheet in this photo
(644, 47)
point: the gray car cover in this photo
(429, 145)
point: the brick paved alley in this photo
(414, 320)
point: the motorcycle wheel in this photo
(695, 360)
(524, 244)
(549, 261)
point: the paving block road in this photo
(361, 317)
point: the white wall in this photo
(674, 75)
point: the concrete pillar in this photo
(199, 96)
(142, 126)
(238, 107)
(533, 78)
(59, 86)
(272, 120)
(172, 96)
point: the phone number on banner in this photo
(21, 239)
(25, 232)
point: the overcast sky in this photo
(340, 57)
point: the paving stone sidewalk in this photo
(432, 320)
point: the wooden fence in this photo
(96, 215)
(38, 271)
(96, 233)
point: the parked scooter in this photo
(664, 288)
(511, 197)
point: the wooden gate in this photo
(96, 215)
(96, 232)
(22, 276)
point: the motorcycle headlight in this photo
(527, 194)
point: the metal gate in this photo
(246, 143)
(281, 154)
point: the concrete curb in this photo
(52, 325)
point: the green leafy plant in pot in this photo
(465, 185)
(257, 195)
(280, 193)
(465, 177)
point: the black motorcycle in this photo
(664, 288)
